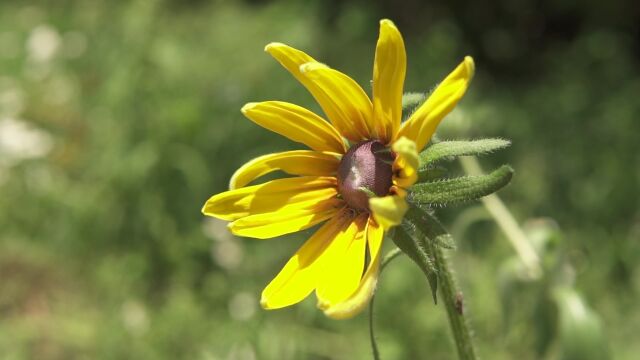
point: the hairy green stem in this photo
(428, 230)
(454, 303)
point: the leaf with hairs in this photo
(461, 189)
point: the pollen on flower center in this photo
(365, 170)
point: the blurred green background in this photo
(118, 119)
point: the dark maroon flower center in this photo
(365, 171)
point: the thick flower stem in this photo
(454, 303)
(427, 231)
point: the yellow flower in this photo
(354, 177)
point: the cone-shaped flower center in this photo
(365, 171)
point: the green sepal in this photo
(428, 225)
(431, 173)
(461, 189)
(416, 248)
(418, 237)
(410, 102)
(445, 241)
(448, 150)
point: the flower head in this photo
(354, 178)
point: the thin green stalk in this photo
(392, 254)
(374, 344)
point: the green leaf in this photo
(422, 217)
(448, 150)
(461, 189)
(426, 232)
(416, 248)
(429, 226)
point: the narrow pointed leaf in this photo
(461, 189)
(424, 229)
(416, 248)
(448, 150)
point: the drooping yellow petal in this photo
(405, 166)
(342, 99)
(389, 210)
(286, 221)
(296, 162)
(299, 276)
(357, 301)
(296, 123)
(281, 194)
(422, 124)
(343, 264)
(389, 70)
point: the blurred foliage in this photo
(118, 119)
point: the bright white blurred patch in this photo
(11, 97)
(43, 43)
(576, 306)
(227, 254)
(134, 317)
(19, 141)
(216, 229)
(226, 251)
(242, 352)
(242, 306)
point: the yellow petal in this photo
(297, 162)
(281, 194)
(299, 276)
(357, 301)
(343, 264)
(342, 99)
(422, 124)
(388, 211)
(295, 123)
(405, 166)
(286, 221)
(293, 59)
(389, 70)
